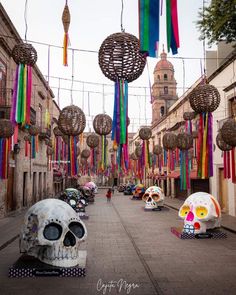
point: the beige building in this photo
(29, 180)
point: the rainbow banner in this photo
(172, 28)
(149, 26)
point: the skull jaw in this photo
(66, 262)
(150, 206)
(191, 228)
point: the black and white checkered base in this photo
(28, 266)
(210, 234)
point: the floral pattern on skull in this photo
(153, 197)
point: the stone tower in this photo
(163, 89)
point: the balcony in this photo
(5, 102)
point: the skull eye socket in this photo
(184, 211)
(52, 231)
(77, 229)
(201, 212)
(144, 197)
(155, 197)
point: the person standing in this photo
(108, 195)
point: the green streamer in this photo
(168, 23)
(122, 115)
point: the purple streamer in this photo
(13, 109)
(210, 144)
(118, 113)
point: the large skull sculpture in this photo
(52, 232)
(153, 197)
(200, 212)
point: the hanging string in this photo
(58, 92)
(183, 75)
(25, 17)
(121, 16)
(72, 79)
(204, 42)
(103, 99)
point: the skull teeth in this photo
(188, 229)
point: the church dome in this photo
(163, 64)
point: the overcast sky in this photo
(91, 22)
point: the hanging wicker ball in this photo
(6, 128)
(204, 98)
(169, 141)
(72, 120)
(222, 145)
(49, 151)
(184, 141)
(137, 143)
(85, 153)
(228, 132)
(66, 18)
(33, 130)
(27, 137)
(145, 133)
(120, 57)
(102, 124)
(92, 140)
(188, 115)
(157, 149)
(24, 53)
(138, 151)
(57, 131)
(195, 134)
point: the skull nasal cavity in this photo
(190, 216)
(149, 199)
(69, 240)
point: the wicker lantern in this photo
(169, 141)
(157, 149)
(204, 98)
(85, 153)
(195, 134)
(33, 130)
(57, 131)
(92, 140)
(24, 53)
(188, 115)
(222, 145)
(6, 128)
(138, 151)
(184, 141)
(145, 133)
(137, 143)
(120, 57)
(228, 132)
(102, 124)
(71, 120)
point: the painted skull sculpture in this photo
(200, 212)
(52, 232)
(153, 197)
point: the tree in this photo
(218, 21)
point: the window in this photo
(3, 83)
(40, 116)
(158, 77)
(162, 111)
(165, 77)
(165, 89)
(232, 107)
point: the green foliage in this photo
(217, 22)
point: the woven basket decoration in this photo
(83, 161)
(222, 145)
(85, 153)
(49, 151)
(145, 133)
(157, 149)
(77, 151)
(137, 143)
(66, 18)
(184, 141)
(138, 151)
(92, 140)
(71, 120)
(195, 134)
(204, 98)
(24, 53)
(102, 124)
(6, 128)
(33, 130)
(27, 137)
(188, 115)
(57, 131)
(169, 141)
(120, 57)
(228, 132)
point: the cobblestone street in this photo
(131, 251)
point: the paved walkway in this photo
(135, 248)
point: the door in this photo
(223, 191)
(10, 184)
(24, 201)
(40, 186)
(34, 187)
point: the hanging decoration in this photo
(66, 24)
(172, 28)
(149, 26)
(205, 99)
(169, 144)
(158, 152)
(102, 124)
(25, 56)
(121, 61)
(71, 122)
(93, 141)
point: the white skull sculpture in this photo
(153, 197)
(200, 212)
(52, 232)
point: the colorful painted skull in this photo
(153, 197)
(92, 186)
(200, 212)
(138, 191)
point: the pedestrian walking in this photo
(108, 195)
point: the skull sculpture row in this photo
(52, 232)
(153, 197)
